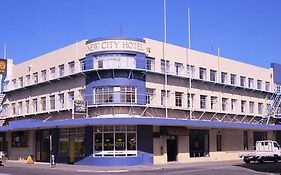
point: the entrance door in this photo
(43, 145)
(172, 148)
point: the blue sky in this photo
(245, 30)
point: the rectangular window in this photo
(233, 105)
(243, 81)
(224, 77)
(267, 86)
(245, 138)
(179, 68)
(35, 77)
(14, 112)
(44, 75)
(250, 83)
(71, 67)
(202, 73)
(260, 108)
(163, 66)
(213, 75)
(214, 102)
(61, 70)
(259, 84)
(203, 104)
(14, 83)
(70, 99)
(61, 101)
(20, 108)
(81, 94)
(27, 106)
(27, 79)
(150, 64)
(35, 105)
(52, 102)
(163, 97)
(243, 106)
(190, 100)
(251, 106)
(82, 64)
(20, 139)
(178, 98)
(190, 71)
(224, 104)
(21, 81)
(233, 79)
(219, 141)
(53, 72)
(149, 95)
(43, 104)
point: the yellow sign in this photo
(3, 66)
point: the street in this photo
(212, 169)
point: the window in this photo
(250, 83)
(267, 86)
(190, 71)
(35, 77)
(81, 94)
(202, 73)
(61, 101)
(149, 95)
(35, 105)
(163, 97)
(116, 60)
(278, 88)
(14, 83)
(20, 139)
(242, 81)
(190, 100)
(82, 64)
(224, 77)
(20, 108)
(233, 105)
(179, 68)
(53, 72)
(150, 64)
(245, 139)
(259, 84)
(165, 67)
(115, 140)
(71, 67)
(213, 75)
(14, 112)
(27, 79)
(27, 106)
(233, 79)
(243, 106)
(178, 98)
(44, 75)
(70, 99)
(21, 81)
(43, 104)
(251, 107)
(61, 70)
(110, 94)
(260, 108)
(219, 141)
(72, 139)
(214, 102)
(52, 102)
(224, 104)
(203, 101)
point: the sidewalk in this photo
(80, 168)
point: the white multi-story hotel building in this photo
(148, 102)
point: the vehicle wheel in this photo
(276, 158)
(261, 160)
(247, 161)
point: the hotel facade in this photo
(127, 101)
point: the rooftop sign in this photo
(108, 45)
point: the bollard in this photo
(52, 161)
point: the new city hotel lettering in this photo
(116, 45)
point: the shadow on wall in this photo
(267, 167)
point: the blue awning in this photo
(32, 124)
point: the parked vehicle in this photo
(266, 150)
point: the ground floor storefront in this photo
(128, 143)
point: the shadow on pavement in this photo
(267, 167)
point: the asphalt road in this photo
(216, 169)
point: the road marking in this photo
(4, 174)
(105, 171)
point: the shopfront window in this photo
(20, 139)
(115, 141)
